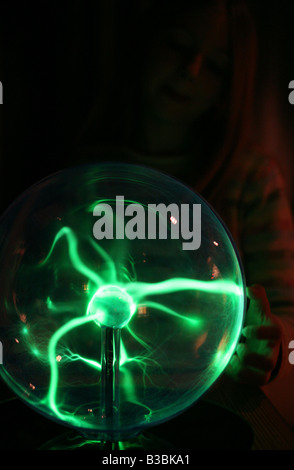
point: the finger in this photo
(264, 332)
(258, 298)
(253, 377)
(246, 375)
(256, 292)
(250, 359)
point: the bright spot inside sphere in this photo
(113, 307)
(122, 298)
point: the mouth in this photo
(175, 95)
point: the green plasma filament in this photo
(112, 305)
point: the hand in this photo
(256, 358)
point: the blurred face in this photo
(187, 65)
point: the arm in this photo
(267, 245)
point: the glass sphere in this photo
(122, 298)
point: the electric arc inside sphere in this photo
(110, 335)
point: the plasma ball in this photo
(112, 306)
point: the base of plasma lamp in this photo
(205, 426)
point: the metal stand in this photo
(110, 357)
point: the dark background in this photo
(54, 56)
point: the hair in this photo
(113, 115)
(235, 118)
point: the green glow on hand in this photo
(113, 304)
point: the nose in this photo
(193, 67)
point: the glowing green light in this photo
(35, 351)
(113, 306)
(52, 353)
(73, 254)
(112, 335)
(141, 289)
(49, 303)
(112, 201)
(196, 322)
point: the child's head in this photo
(186, 62)
(198, 64)
(190, 61)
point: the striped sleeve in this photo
(267, 236)
(267, 243)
